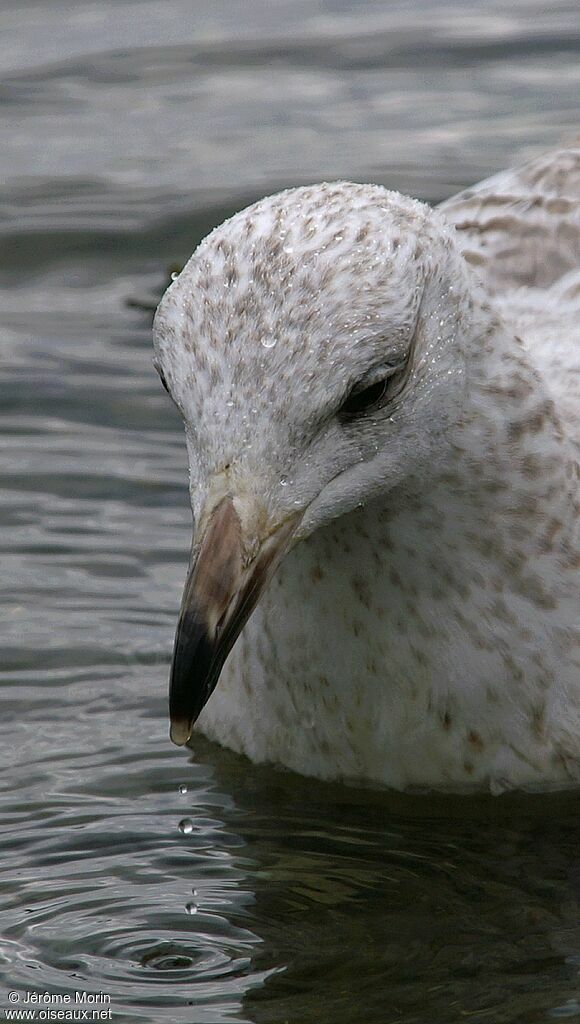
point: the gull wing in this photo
(522, 226)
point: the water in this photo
(128, 130)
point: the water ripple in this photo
(125, 139)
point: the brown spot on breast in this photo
(395, 578)
(555, 525)
(532, 588)
(531, 466)
(361, 589)
(515, 670)
(475, 741)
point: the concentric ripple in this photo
(102, 892)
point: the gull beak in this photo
(221, 591)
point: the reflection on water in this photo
(125, 137)
(310, 900)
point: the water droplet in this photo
(183, 788)
(268, 340)
(283, 481)
(194, 892)
(230, 404)
(288, 249)
(190, 908)
(186, 826)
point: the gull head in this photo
(315, 345)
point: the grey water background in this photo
(128, 130)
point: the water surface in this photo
(128, 131)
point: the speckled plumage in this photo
(424, 629)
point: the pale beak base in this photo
(219, 596)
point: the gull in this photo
(382, 416)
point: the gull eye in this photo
(364, 399)
(389, 381)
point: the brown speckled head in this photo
(285, 309)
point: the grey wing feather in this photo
(520, 230)
(522, 226)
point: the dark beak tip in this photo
(180, 731)
(217, 590)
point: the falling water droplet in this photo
(183, 788)
(174, 275)
(268, 341)
(186, 826)
(190, 908)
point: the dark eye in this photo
(364, 399)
